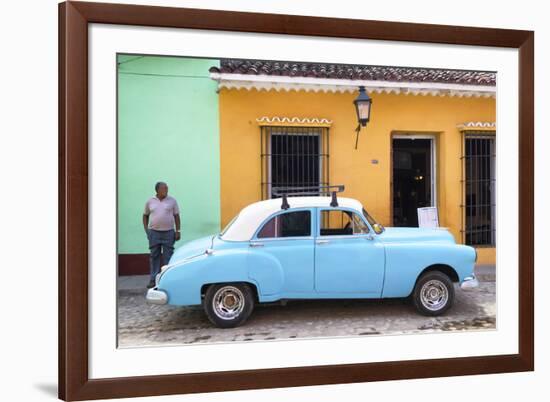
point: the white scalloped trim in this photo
(342, 89)
(314, 121)
(309, 84)
(478, 125)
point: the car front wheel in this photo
(228, 305)
(433, 294)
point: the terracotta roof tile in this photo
(354, 72)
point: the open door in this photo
(413, 178)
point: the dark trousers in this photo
(160, 243)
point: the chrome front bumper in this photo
(155, 296)
(469, 283)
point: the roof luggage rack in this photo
(285, 192)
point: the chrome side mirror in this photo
(378, 228)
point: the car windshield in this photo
(378, 228)
(226, 228)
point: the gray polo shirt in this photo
(161, 213)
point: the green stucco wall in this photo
(168, 130)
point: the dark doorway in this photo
(412, 179)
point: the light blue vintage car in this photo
(307, 247)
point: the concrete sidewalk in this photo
(484, 273)
(133, 282)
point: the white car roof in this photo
(250, 217)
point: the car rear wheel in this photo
(433, 294)
(228, 305)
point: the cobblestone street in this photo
(141, 324)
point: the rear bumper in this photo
(155, 296)
(469, 283)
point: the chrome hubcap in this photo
(434, 295)
(228, 302)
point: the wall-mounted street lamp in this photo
(363, 105)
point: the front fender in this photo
(405, 262)
(183, 283)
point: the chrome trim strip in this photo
(270, 239)
(368, 236)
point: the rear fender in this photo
(183, 283)
(266, 270)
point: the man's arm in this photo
(145, 222)
(178, 223)
(146, 212)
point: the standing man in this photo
(160, 216)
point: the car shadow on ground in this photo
(144, 324)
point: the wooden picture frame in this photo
(74, 381)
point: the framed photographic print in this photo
(260, 200)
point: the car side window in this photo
(289, 224)
(335, 222)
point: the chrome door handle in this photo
(256, 244)
(322, 242)
(369, 237)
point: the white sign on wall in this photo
(427, 217)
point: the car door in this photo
(281, 253)
(348, 256)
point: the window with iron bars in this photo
(479, 219)
(293, 157)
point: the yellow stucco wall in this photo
(370, 183)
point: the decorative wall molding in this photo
(477, 126)
(309, 84)
(293, 121)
